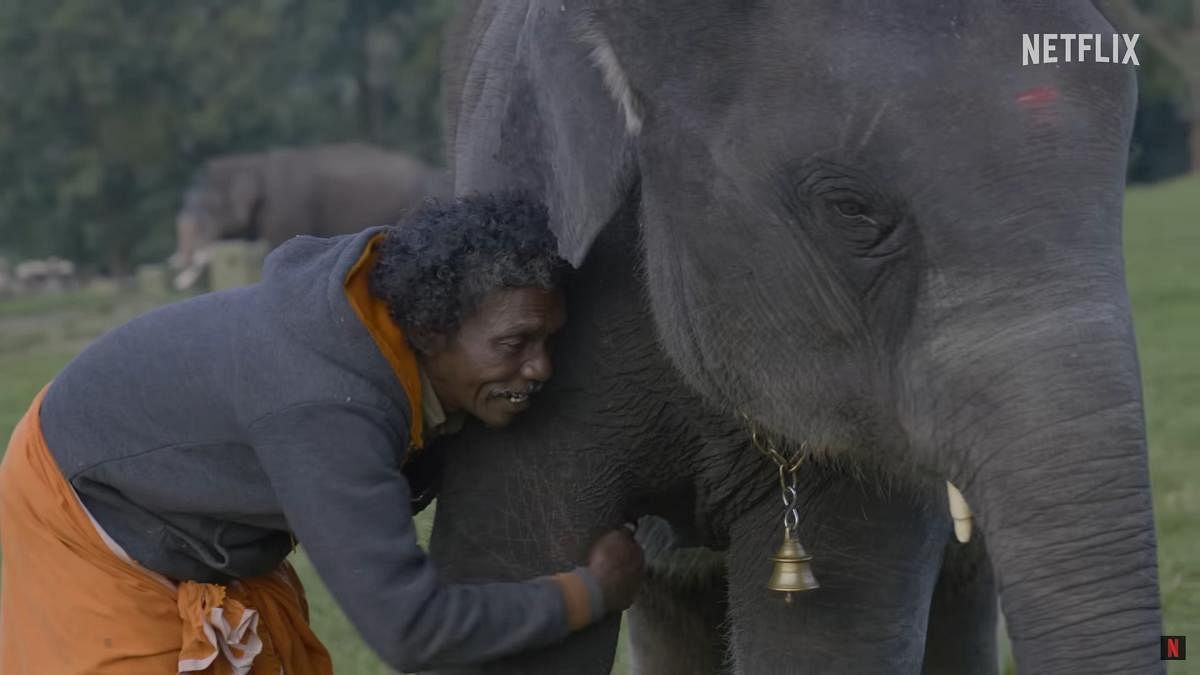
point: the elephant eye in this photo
(846, 202)
(864, 232)
(849, 208)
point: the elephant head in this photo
(221, 203)
(869, 229)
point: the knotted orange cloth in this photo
(72, 603)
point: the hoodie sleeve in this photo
(335, 471)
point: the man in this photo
(151, 494)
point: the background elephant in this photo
(319, 190)
(866, 227)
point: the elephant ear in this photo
(567, 119)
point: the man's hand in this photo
(616, 562)
(424, 475)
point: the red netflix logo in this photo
(1172, 648)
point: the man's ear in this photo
(427, 344)
(567, 120)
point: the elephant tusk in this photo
(960, 512)
(185, 279)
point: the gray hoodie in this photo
(203, 434)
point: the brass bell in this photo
(792, 573)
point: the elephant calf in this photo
(868, 230)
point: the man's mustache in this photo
(532, 387)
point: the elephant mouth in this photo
(785, 454)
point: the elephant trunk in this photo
(189, 261)
(1045, 422)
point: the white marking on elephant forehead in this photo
(874, 123)
(605, 58)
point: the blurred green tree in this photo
(1169, 49)
(107, 108)
(401, 48)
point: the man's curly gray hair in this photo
(436, 266)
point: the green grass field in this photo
(38, 336)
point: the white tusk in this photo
(185, 279)
(960, 512)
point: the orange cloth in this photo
(577, 599)
(71, 605)
(373, 313)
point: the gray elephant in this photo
(867, 229)
(319, 190)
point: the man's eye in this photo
(512, 344)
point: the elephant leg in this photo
(961, 638)
(876, 554)
(676, 627)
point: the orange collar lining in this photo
(387, 335)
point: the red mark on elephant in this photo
(1038, 96)
(1038, 103)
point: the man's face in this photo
(499, 355)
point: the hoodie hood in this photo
(304, 284)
